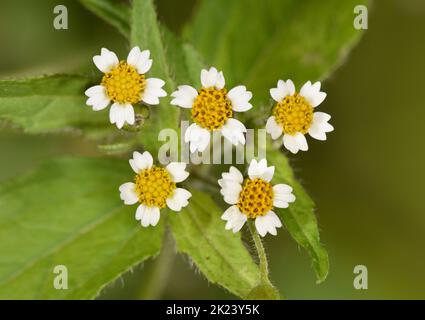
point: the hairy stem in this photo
(264, 266)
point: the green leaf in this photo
(114, 12)
(299, 218)
(68, 212)
(174, 61)
(256, 42)
(49, 103)
(146, 33)
(184, 61)
(218, 253)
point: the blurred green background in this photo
(367, 179)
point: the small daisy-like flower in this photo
(154, 188)
(125, 84)
(212, 109)
(254, 198)
(294, 116)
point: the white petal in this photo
(267, 224)
(106, 60)
(282, 90)
(128, 193)
(140, 211)
(233, 130)
(260, 225)
(233, 175)
(235, 219)
(274, 129)
(240, 97)
(141, 161)
(184, 97)
(98, 98)
(143, 214)
(268, 174)
(290, 143)
(179, 199)
(212, 78)
(260, 170)
(140, 60)
(177, 171)
(317, 132)
(147, 215)
(279, 92)
(321, 117)
(274, 219)
(290, 87)
(220, 82)
(197, 137)
(312, 93)
(318, 98)
(154, 216)
(129, 114)
(301, 141)
(320, 126)
(228, 214)
(282, 195)
(153, 91)
(256, 168)
(296, 142)
(121, 113)
(306, 88)
(230, 184)
(230, 191)
(282, 189)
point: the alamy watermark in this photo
(60, 281)
(220, 150)
(60, 21)
(361, 279)
(361, 19)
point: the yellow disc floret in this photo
(211, 108)
(256, 198)
(294, 114)
(124, 84)
(154, 186)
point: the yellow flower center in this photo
(124, 84)
(294, 114)
(154, 186)
(256, 198)
(211, 108)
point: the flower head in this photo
(124, 83)
(154, 188)
(254, 198)
(212, 108)
(293, 115)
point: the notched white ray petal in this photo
(273, 128)
(177, 171)
(184, 96)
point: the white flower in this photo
(254, 198)
(293, 115)
(212, 108)
(124, 83)
(154, 188)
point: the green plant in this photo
(68, 210)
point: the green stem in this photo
(264, 266)
(159, 271)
